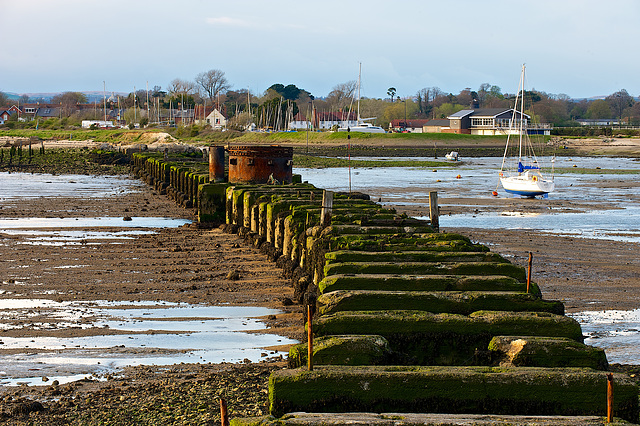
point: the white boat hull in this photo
(527, 185)
(363, 129)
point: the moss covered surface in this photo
(450, 390)
(411, 256)
(528, 351)
(376, 230)
(211, 202)
(391, 282)
(427, 242)
(456, 302)
(427, 268)
(343, 350)
(424, 338)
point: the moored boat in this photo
(524, 175)
(361, 124)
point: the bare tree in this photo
(4, 99)
(342, 94)
(619, 101)
(180, 87)
(69, 100)
(213, 82)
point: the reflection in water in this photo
(617, 332)
(128, 333)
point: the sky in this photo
(581, 48)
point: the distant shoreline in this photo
(334, 145)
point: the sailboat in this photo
(523, 177)
(361, 124)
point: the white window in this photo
(29, 110)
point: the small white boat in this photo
(452, 156)
(363, 127)
(524, 177)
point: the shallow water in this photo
(149, 333)
(27, 185)
(617, 332)
(478, 178)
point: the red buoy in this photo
(494, 193)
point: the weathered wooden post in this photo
(309, 338)
(610, 398)
(327, 206)
(224, 415)
(529, 272)
(434, 212)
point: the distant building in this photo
(491, 121)
(436, 126)
(598, 121)
(4, 116)
(86, 124)
(415, 125)
(216, 119)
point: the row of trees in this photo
(280, 103)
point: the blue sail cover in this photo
(522, 168)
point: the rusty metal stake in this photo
(309, 339)
(224, 415)
(529, 272)
(610, 398)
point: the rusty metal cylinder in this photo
(260, 164)
(216, 163)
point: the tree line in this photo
(280, 103)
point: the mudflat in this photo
(206, 265)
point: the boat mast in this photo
(521, 89)
(359, 74)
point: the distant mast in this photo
(104, 98)
(359, 76)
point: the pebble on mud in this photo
(233, 276)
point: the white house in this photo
(216, 119)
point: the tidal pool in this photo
(615, 331)
(146, 333)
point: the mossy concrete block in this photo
(393, 282)
(342, 350)
(375, 230)
(455, 302)
(427, 268)
(425, 338)
(357, 242)
(495, 323)
(479, 390)
(341, 256)
(528, 351)
(212, 202)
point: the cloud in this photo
(228, 22)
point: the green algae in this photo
(342, 350)
(540, 391)
(397, 282)
(436, 302)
